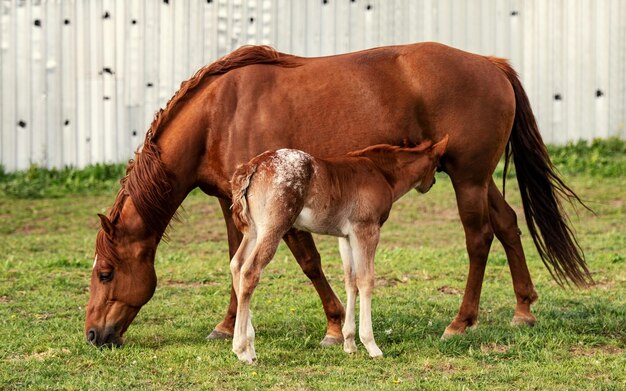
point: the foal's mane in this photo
(387, 149)
(147, 181)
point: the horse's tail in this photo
(239, 185)
(541, 190)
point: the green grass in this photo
(37, 182)
(579, 342)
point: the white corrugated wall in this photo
(80, 80)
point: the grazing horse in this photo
(349, 197)
(257, 99)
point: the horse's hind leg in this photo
(504, 223)
(474, 212)
(303, 248)
(224, 329)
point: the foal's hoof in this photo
(246, 358)
(375, 353)
(330, 340)
(349, 347)
(216, 334)
(523, 320)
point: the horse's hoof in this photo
(523, 320)
(218, 335)
(330, 340)
(451, 332)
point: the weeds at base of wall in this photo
(600, 158)
(37, 182)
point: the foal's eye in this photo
(105, 276)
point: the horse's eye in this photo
(105, 276)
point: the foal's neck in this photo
(401, 167)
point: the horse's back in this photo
(328, 106)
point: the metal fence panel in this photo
(81, 80)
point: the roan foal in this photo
(349, 197)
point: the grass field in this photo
(47, 237)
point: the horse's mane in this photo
(147, 181)
(245, 55)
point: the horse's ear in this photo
(107, 226)
(440, 148)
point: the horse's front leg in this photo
(363, 246)
(303, 248)
(224, 329)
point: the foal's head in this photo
(433, 154)
(407, 167)
(122, 281)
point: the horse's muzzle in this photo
(104, 338)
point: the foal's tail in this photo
(239, 185)
(541, 190)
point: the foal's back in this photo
(281, 180)
(284, 188)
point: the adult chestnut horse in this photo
(257, 99)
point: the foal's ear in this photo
(440, 148)
(107, 226)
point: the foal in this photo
(349, 197)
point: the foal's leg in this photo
(504, 223)
(249, 275)
(363, 245)
(246, 337)
(303, 248)
(224, 329)
(474, 213)
(349, 326)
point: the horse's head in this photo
(433, 153)
(122, 281)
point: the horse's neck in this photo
(176, 152)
